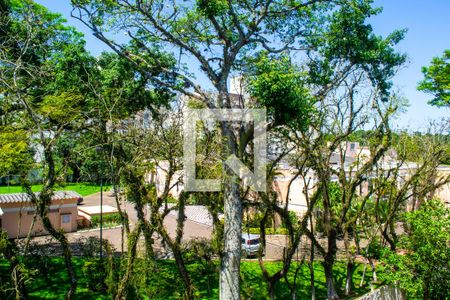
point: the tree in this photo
(219, 36)
(437, 80)
(423, 269)
(42, 65)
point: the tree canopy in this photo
(437, 80)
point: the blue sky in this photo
(428, 24)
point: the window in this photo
(66, 219)
(254, 242)
(352, 146)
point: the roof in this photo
(195, 213)
(24, 197)
(95, 210)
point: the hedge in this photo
(270, 230)
(109, 219)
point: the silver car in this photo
(250, 244)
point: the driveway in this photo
(195, 226)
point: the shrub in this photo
(108, 219)
(374, 249)
(255, 220)
(270, 230)
(90, 247)
(94, 272)
(39, 256)
(423, 271)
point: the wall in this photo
(297, 199)
(443, 192)
(18, 217)
(385, 293)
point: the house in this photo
(443, 192)
(17, 212)
(159, 176)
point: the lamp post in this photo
(99, 150)
(101, 217)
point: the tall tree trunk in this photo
(388, 239)
(231, 256)
(133, 239)
(328, 265)
(272, 289)
(350, 264)
(426, 290)
(311, 272)
(174, 245)
(328, 268)
(374, 271)
(230, 267)
(76, 173)
(311, 261)
(349, 278)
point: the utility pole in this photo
(101, 217)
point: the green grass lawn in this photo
(84, 189)
(164, 282)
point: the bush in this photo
(90, 247)
(39, 257)
(108, 219)
(423, 271)
(374, 249)
(270, 230)
(255, 220)
(95, 274)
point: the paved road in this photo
(192, 229)
(274, 247)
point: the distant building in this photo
(17, 211)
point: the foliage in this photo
(270, 230)
(255, 220)
(165, 282)
(212, 8)
(39, 257)
(108, 220)
(280, 87)
(4, 242)
(335, 200)
(94, 271)
(16, 155)
(348, 38)
(423, 271)
(411, 145)
(90, 247)
(437, 80)
(374, 249)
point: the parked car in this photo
(250, 244)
